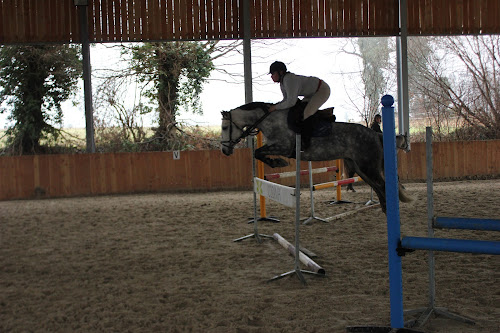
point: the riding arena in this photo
(209, 261)
(167, 262)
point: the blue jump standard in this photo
(466, 223)
(451, 245)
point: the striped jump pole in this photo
(337, 183)
(309, 172)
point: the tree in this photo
(35, 80)
(460, 82)
(174, 74)
(373, 54)
(155, 81)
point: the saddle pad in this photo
(321, 121)
(321, 127)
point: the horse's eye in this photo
(224, 128)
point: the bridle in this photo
(249, 130)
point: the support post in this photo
(425, 313)
(297, 269)
(338, 185)
(402, 73)
(255, 234)
(311, 193)
(393, 218)
(247, 74)
(430, 213)
(87, 83)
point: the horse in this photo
(360, 146)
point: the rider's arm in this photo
(290, 90)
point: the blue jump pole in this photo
(451, 245)
(466, 223)
(393, 220)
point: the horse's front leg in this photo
(262, 155)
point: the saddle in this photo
(317, 125)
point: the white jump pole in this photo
(350, 212)
(303, 257)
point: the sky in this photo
(320, 57)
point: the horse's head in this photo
(402, 142)
(231, 133)
(241, 122)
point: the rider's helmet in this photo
(277, 66)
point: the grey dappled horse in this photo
(357, 144)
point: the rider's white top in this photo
(293, 86)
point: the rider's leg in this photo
(318, 99)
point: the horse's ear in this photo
(225, 114)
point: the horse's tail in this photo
(403, 195)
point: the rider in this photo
(315, 92)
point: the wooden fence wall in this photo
(46, 176)
(34, 21)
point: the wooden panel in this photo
(169, 20)
(417, 166)
(440, 164)
(24, 180)
(265, 21)
(80, 175)
(25, 21)
(43, 174)
(3, 32)
(7, 183)
(402, 165)
(493, 18)
(453, 17)
(128, 19)
(493, 160)
(196, 20)
(480, 157)
(86, 174)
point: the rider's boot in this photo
(306, 132)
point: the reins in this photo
(250, 130)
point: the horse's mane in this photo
(255, 105)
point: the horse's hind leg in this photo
(350, 170)
(373, 177)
